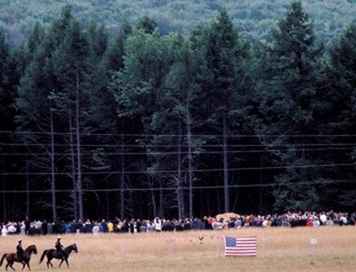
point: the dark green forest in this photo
(175, 118)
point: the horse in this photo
(53, 254)
(11, 258)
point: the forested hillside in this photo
(97, 122)
(253, 17)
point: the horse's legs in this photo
(24, 264)
(49, 262)
(11, 266)
(66, 259)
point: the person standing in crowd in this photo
(3, 230)
(44, 227)
(27, 225)
(110, 227)
(158, 224)
(132, 226)
(138, 225)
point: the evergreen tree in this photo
(71, 65)
(34, 41)
(339, 87)
(33, 111)
(178, 116)
(288, 96)
(223, 81)
(139, 88)
(8, 84)
(98, 42)
(147, 25)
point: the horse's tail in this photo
(43, 255)
(2, 259)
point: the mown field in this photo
(302, 249)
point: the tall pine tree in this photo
(288, 97)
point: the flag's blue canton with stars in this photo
(230, 241)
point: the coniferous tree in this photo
(147, 25)
(8, 83)
(33, 111)
(71, 70)
(177, 118)
(288, 97)
(223, 82)
(139, 87)
(339, 101)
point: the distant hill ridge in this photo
(254, 18)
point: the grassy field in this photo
(277, 250)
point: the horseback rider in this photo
(19, 251)
(59, 247)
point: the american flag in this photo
(240, 246)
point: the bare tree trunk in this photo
(74, 181)
(129, 205)
(218, 201)
(226, 167)
(190, 157)
(260, 202)
(53, 176)
(79, 162)
(4, 208)
(3, 195)
(154, 205)
(27, 189)
(107, 205)
(122, 179)
(161, 200)
(180, 192)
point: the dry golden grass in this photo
(279, 249)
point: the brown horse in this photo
(11, 258)
(53, 254)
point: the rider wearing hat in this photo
(59, 246)
(19, 250)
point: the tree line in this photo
(138, 123)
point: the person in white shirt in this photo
(158, 224)
(11, 229)
(4, 231)
(343, 220)
(323, 219)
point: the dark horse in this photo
(53, 254)
(11, 258)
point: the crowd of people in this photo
(225, 221)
